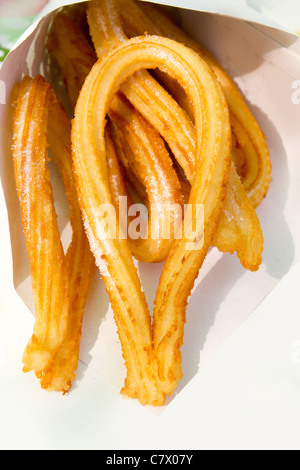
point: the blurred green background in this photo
(10, 31)
(15, 17)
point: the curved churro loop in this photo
(60, 283)
(245, 126)
(68, 55)
(209, 188)
(172, 122)
(150, 158)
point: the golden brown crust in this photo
(197, 142)
(60, 282)
(67, 43)
(248, 133)
(209, 188)
(239, 229)
(176, 125)
(145, 147)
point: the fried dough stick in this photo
(113, 256)
(141, 89)
(142, 151)
(60, 283)
(75, 57)
(175, 126)
(80, 260)
(257, 174)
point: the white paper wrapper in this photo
(267, 71)
(265, 12)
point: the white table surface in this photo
(246, 397)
